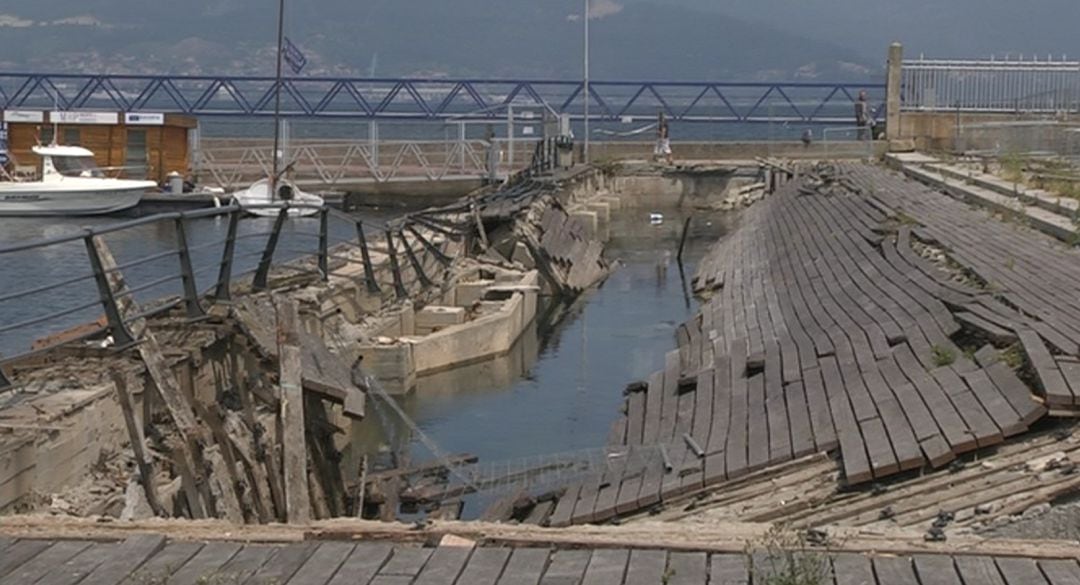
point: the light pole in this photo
(585, 88)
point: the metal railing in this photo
(338, 164)
(432, 99)
(70, 308)
(991, 86)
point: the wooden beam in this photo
(291, 423)
(138, 444)
(162, 375)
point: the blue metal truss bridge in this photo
(436, 99)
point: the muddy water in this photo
(560, 388)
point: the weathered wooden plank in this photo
(854, 569)
(291, 416)
(19, 553)
(978, 569)
(44, 561)
(567, 567)
(126, 559)
(525, 567)
(176, 402)
(246, 562)
(444, 566)
(406, 561)
(728, 569)
(937, 570)
(285, 563)
(606, 567)
(1061, 572)
(687, 569)
(205, 564)
(321, 566)
(362, 564)
(1020, 571)
(161, 566)
(1051, 381)
(485, 566)
(895, 570)
(646, 567)
(75, 569)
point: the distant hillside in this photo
(482, 38)
(938, 28)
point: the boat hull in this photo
(16, 202)
(255, 199)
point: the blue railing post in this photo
(119, 331)
(365, 253)
(262, 273)
(187, 274)
(414, 261)
(399, 286)
(324, 243)
(224, 281)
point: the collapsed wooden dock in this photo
(854, 313)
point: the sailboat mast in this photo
(277, 99)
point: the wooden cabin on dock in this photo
(133, 145)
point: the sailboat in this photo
(265, 196)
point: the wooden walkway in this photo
(152, 559)
(828, 330)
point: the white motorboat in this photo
(257, 199)
(71, 184)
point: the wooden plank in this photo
(606, 567)
(567, 567)
(205, 563)
(564, 508)
(776, 409)
(728, 569)
(362, 564)
(1020, 571)
(525, 567)
(978, 569)
(246, 562)
(854, 569)
(78, 567)
(821, 419)
(19, 553)
(406, 561)
(802, 434)
(160, 567)
(127, 558)
(176, 402)
(646, 567)
(321, 566)
(1061, 572)
(938, 570)
(285, 563)
(444, 566)
(47, 559)
(138, 443)
(687, 568)
(895, 570)
(485, 566)
(757, 424)
(1051, 382)
(291, 417)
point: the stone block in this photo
(467, 293)
(435, 318)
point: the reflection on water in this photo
(566, 397)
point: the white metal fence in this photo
(991, 86)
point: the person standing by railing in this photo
(663, 139)
(863, 119)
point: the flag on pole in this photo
(293, 56)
